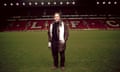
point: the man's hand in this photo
(49, 44)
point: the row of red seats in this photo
(22, 25)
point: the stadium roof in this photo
(66, 7)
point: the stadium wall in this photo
(73, 23)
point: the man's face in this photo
(57, 17)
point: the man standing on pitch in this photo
(58, 35)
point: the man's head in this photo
(57, 17)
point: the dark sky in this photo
(81, 7)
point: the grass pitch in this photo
(87, 51)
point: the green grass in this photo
(87, 51)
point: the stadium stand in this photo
(73, 23)
(19, 15)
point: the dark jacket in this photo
(66, 34)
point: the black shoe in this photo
(63, 68)
(54, 67)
